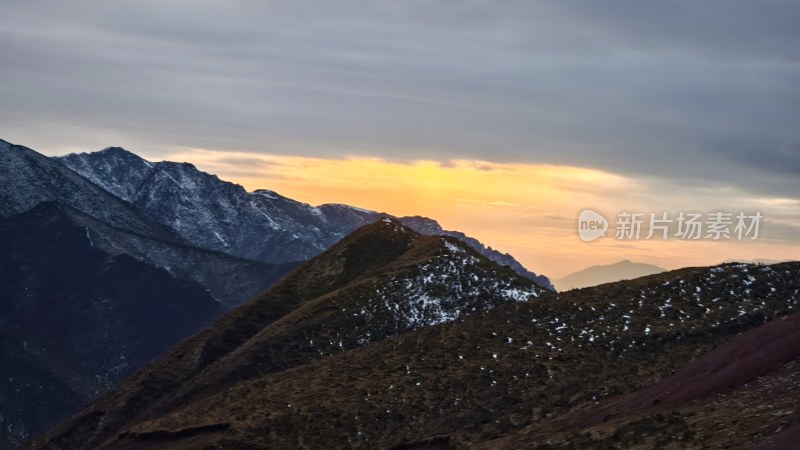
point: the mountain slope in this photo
(381, 281)
(751, 381)
(230, 280)
(595, 275)
(74, 319)
(455, 384)
(428, 226)
(28, 178)
(259, 225)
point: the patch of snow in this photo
(220, 239)
(452, 247)
(173, 179)
(266, 194)
(89, 237)
(355, 208)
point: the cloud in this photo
(529, 210)
(700, 92)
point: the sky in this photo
(502, 119)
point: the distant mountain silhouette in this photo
(595, 275)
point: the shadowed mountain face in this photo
(596, 275)
(230, 280)
(260, 225)
(383, 280)
(76, 319)
(330, 357)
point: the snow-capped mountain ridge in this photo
(260, 225)
(208, 212)
(29, 178)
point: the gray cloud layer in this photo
(705, 91)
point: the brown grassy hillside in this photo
(509, 376)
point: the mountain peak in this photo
(595, 275)
(371, 246)
(391, 225)
(386, 227)
(423, 225)
(116, 150)
(116, 153)
(261, 225)
(29, 178)
(381, 281)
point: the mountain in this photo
(28, 178)
(214, 214)
(758, 370)
(428, 226)
(595, 275)
(76, 319)
(381, 281)
(50, 288)
(230, 280)
(274, 375)
(218, 215)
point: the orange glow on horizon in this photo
(528, 210)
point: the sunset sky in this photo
(528, 210)
(499, 119)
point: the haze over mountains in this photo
(594, 275)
